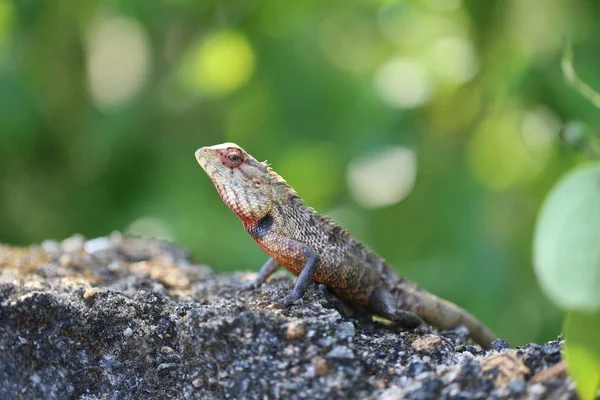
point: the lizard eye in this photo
(232, 159)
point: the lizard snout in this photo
(201, 153)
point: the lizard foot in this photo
(286, 302)
(423, 330)
(226, 289)
(247, 286)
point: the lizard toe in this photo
(247, 286)
(423, 329)
(286, 302)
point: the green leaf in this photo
(582, 352)
(567, 241)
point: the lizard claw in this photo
(423, 330)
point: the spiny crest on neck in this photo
(279, 184)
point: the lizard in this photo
(315, 249)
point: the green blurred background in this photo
(430, 129)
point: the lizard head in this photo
(247, 186)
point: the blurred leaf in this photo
(582, 352)
(567, 239)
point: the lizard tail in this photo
(444, 314)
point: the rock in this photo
(427, 344)
(139, 319)
(503, 367)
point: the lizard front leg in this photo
(265, 271)
(296, 257)
(305, 278)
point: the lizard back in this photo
(347, 266)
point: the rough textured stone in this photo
(128, 318)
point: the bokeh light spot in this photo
(453, 60)
(403, 83)
(512, 147)
(540, 128)
(118, 61)
(383, 178)
(220, 64)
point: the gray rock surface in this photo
(129, 318)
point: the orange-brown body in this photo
(315, 249)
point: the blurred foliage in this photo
(566, 258)
(582, 352)
(103, 103)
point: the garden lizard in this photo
(315, 249)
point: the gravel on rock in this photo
(128, 318)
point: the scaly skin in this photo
(315, 249)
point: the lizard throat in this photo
(247, 209)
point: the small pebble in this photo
(427, 344)
(498, 345)
(341, 352)
(114, 266)
(51, 246)
(198, 382)
(392, 393)
(517, 385)
(536, 390)
(165, 366)
(166, 350)
(380, 384)
(295, 330)
(95, 245)
(73, 243)
(346, 330)
(326, 341)
(128, 332)
(320, 365)
(90, 293)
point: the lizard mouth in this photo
(200, 155)
(211, 167)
